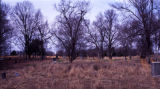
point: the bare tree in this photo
(104, 33)
(5, 28)
(43, 32)
(111, 33)
(141, 11)
(126, 37)
(70, 26)
(25, 23)
(97, 35)
(156, 34)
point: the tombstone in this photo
(81, 57)
(148, 60)
(155, 69)
(56, 56)
(4, 75)
(155, 57)
(54, 59)
(17, 74)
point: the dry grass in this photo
(81, 74)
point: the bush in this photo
(13, 53)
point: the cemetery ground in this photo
(83, 73)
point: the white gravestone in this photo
(155, 69)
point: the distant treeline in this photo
(118, 52)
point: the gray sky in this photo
(49, 12)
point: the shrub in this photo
(13, 53)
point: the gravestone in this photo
(4, 75)
(55, 59)
(17, 74)
(81, 57)
(56, 56)
(155, 69)
(148, 60)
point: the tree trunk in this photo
(110, 51)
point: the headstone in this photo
(4, 75)
(17, 74)
(56, 56)
(155, 69)
(54, 59)
(148, 60)
(156, 57)
(81, 57)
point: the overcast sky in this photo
(49, 12)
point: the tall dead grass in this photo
(82, 74)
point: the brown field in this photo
(87, 73)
